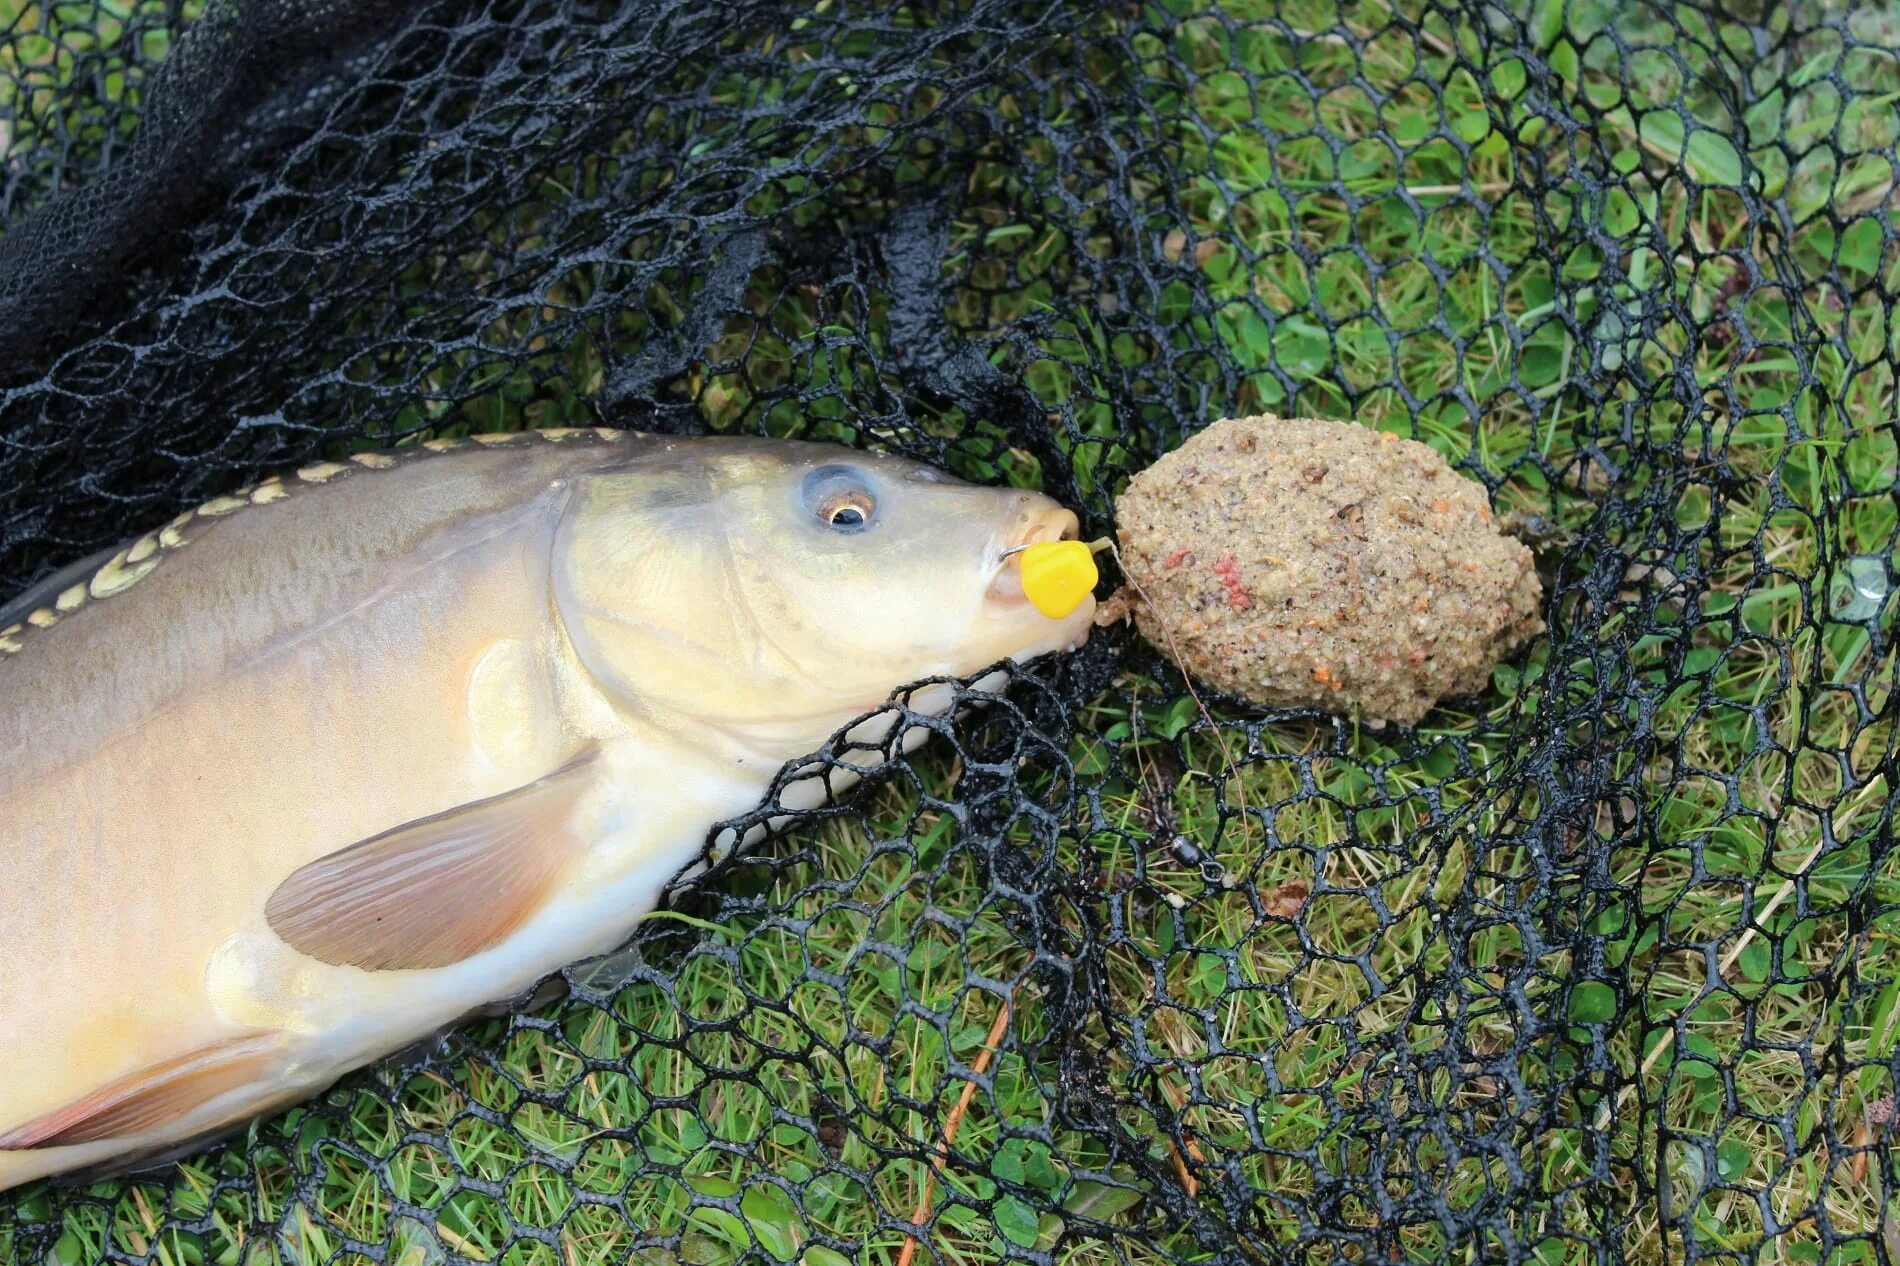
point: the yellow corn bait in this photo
(1057, 575)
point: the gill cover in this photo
(644, 584)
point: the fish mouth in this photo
(1037, 523)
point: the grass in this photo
(1644, 989)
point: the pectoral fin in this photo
(151, 1098)
(437, 890)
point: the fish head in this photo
(776, 589)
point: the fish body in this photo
(323, 768)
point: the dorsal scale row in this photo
(137, 560)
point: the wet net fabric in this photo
(1599, 966)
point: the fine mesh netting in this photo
(1600, 966)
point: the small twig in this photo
(1437, 43)
(1741, 943)
(1182, 1172)
(1862, 1139)
(1188, 1180)
(1445, 191)
(955, 1121)
(1303, 36)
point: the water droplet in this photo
(1684, 1178)
(1860, 588)
(415, 1244)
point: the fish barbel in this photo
(332, 763)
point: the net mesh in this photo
(1600, 966)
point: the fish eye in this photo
(845, 516)
(838, 497)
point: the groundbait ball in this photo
(1304, 563)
